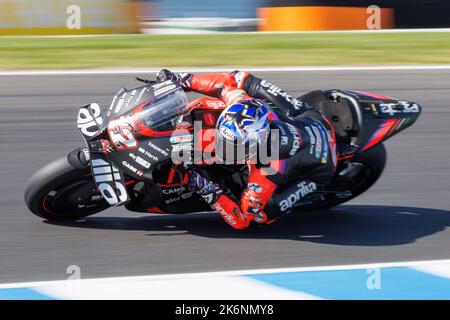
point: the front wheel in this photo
(62, 190)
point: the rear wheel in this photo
(354, 177)
(62, 190)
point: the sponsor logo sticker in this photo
(304, 189)
(180, 139)
(318, 151)
(227, 133)
(156, 148)
(165, 89)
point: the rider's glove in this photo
(209, 190)
(182, 78)
(251, 202)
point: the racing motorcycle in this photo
(129, 146)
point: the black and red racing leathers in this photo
(307, 154)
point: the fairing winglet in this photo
(108, 178)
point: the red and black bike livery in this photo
(129, 147)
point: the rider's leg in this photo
(286, 197)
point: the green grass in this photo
(19, 53)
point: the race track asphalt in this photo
(405, 217)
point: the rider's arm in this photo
(219, 85)
(214, 196)
(231, 212)
(254, 198)
(242, 85)
(262, 89)
(211, 84)
(235, 86)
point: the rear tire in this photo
(63, 190)
(373, 162)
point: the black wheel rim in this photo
(351, 185)
(77, 198)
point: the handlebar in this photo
(146, 80)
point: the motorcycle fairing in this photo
(142, 137)
(383, 132)
(108, 178)
(378, 117)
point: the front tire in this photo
(63, 190)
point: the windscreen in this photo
(164, 111)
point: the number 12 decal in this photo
(121, 134)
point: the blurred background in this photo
(40, 17)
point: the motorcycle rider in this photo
(307, 150)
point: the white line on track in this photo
(156, 32)
(199, 32)
(202, 275)
(423, 30)
(220, 69)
